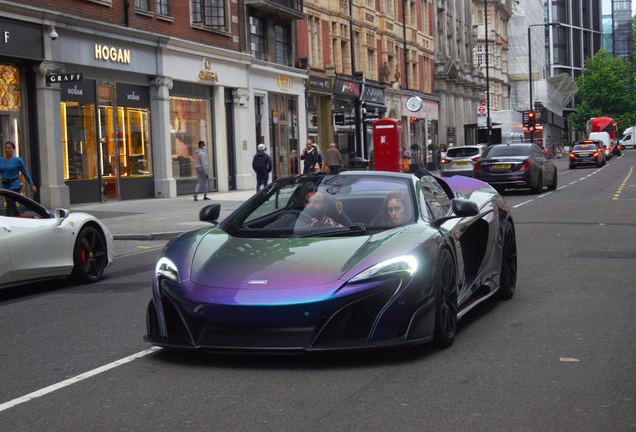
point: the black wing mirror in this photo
(210, 213)
(462, 208)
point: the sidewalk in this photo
(159, 218)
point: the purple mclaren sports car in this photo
(327, 262)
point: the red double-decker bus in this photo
(602, 124)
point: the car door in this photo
(5, 259)
(38, 247)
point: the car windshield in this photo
(326, 205)
(505, 150)
(462, 152)
(582, 147)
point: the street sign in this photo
(483, 103)
(481, 110)
(481, 121)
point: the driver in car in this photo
(316, 208)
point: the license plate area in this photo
(584, 154)
(501, 166)
(461, 163)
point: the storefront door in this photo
(110, 139)
(284, 134)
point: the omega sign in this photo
(207, 74)
(118, 55)
(284, 82)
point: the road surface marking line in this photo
(562, 187)
(75, 379)
(547, 193)
(582, 178)
(573, 182)
(620, 188)
(519, 205)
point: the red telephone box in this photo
(387, 145)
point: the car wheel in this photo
(89, 256)
(508, 279)
(445, 301)
(539, 187)
(555, 180)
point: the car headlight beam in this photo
(402, 264)
(166, 268)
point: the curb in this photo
(144, 237)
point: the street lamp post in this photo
(489, 139)
(530, 68)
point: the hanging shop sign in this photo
(64, 78)
(346, 88)
(320, 85)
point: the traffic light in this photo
(531, 121)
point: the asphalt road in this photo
(559, 356)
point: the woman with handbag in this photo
(10, 167)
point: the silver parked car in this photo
(460, 160)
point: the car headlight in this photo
(166, 268)
(402, 264)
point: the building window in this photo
(480, 60)
(283, 45)
(188, 125)
(141, 4)
(210, 13)
(257, 38)
(480, 48)
(313, 29)
(356, 38)
(370, 63)
(162, 7)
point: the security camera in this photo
(53, 34)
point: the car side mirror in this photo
(461, 208)
(210, 213)
(61, 214)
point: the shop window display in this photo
(78, 136)
(188, 126)
(12, 116)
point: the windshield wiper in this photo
(357, 228)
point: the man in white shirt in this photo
(201, 164)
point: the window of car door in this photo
(436, 199)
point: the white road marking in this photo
(562, 187)
(547, 193)
(519, 205)
(582, 178)
(50, 389)
(573, 182)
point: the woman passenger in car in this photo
(396, 209)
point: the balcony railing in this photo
(288, 9)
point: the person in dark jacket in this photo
(312, 159)
(262, 166)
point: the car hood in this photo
(223, 261)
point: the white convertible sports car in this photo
(40, 244)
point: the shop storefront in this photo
(319, 126)
(373, 108)
(346, 93)
(106, 141)
(105, 117)
(20, 49)
(191, 107)
(280, 93)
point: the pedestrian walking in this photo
(333, 159)
(201, 165)
(10, 167)
(311, 156)
(262, 166)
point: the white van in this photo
(603, 137)
(628, 138)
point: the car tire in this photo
(89, 256)
(555, 181)
(445, 281)
(508, 278)
(539, 187)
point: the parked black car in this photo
(516, 166)
(586, 153)
(616, 147)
